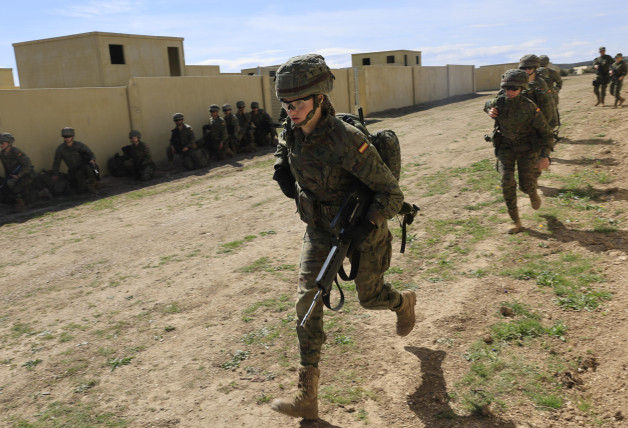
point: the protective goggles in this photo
(297, 104)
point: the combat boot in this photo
(406, 317)
(599, 100)
(305, 402)
(516, 227)
(616, 101)
(621, 101)
(535, 200)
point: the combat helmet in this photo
(240, 104)
(177, 116)
(6, 137)
(254, 104)
(515, 77)
(214, 107)
(530, 60)
(226, 107)
(67, 132)
(135, 133)
(544, 60)
(302, 76)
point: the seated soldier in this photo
(18, 172)
(80, 160)
(137, 162)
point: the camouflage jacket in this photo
(520, 122)
(329, 163)
(245, 121)
(180, 139)
(619, 69)
(603, 63)
(13, 159)
(261, 120)
(216, 131)
(233, 127)
(140, 153)
(551, 77)
(74, 156)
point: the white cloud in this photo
(95, 9)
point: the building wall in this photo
(430, 84)
(460, 79)
(400, 57)
(488, 77)
(83, 60)
(35, 117)
(6, 78)
(387, 88)
(202, 70)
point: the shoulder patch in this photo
(538, 109)
(363, 147)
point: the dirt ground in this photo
(131, 309)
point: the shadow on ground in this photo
(430, 401)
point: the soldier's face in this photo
(4, 146)
(300, 110)
(135, 140)
(512, 92)
(214, 113)
(68, 140)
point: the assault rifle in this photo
(351, 212)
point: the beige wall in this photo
(35, 117)
(460, 79)
(430, 84)
(6, 78)
(488, 77)
(83, 60)
(387, 87)
(202, 70)
(341, 96)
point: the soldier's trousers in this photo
(81, 177)
(526, 164)
(615, 88)
(373, 292)
(600, 90)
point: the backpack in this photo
(387, 145)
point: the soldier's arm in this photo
(362, 160)
(27, 165)
(544, 132)
(83, 148)
(559, 80)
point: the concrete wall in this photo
(460, 79)
(342, 94)
(83, 60)
(35, 117)
(387, 87)
(202, 70)
(6, 78)
(488, 77)
(430, 84)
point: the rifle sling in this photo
(355, 265)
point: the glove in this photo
(358, 233)
(286, 181)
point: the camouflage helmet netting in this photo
(177, 116)
(302, 76)
(515, 77)
(529, 61)
(544, 60)
(135, 133)
(240, 104)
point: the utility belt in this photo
(314, 211)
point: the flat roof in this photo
(98, 34)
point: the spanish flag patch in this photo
(538, 109)
(363, 147)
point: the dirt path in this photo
(172, 305)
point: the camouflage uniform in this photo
(603, 63)
(523, 136)
(181, 139)
(138, 162)
(538, 91)
(234, 134)
(264, 132)
(216, 139)
(16, 163)
(551, 77)
(244, 119)
(76, 157)
(619, 71)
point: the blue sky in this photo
(243, 34)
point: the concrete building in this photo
(400, 57)
(97, 60)
(6, 78)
